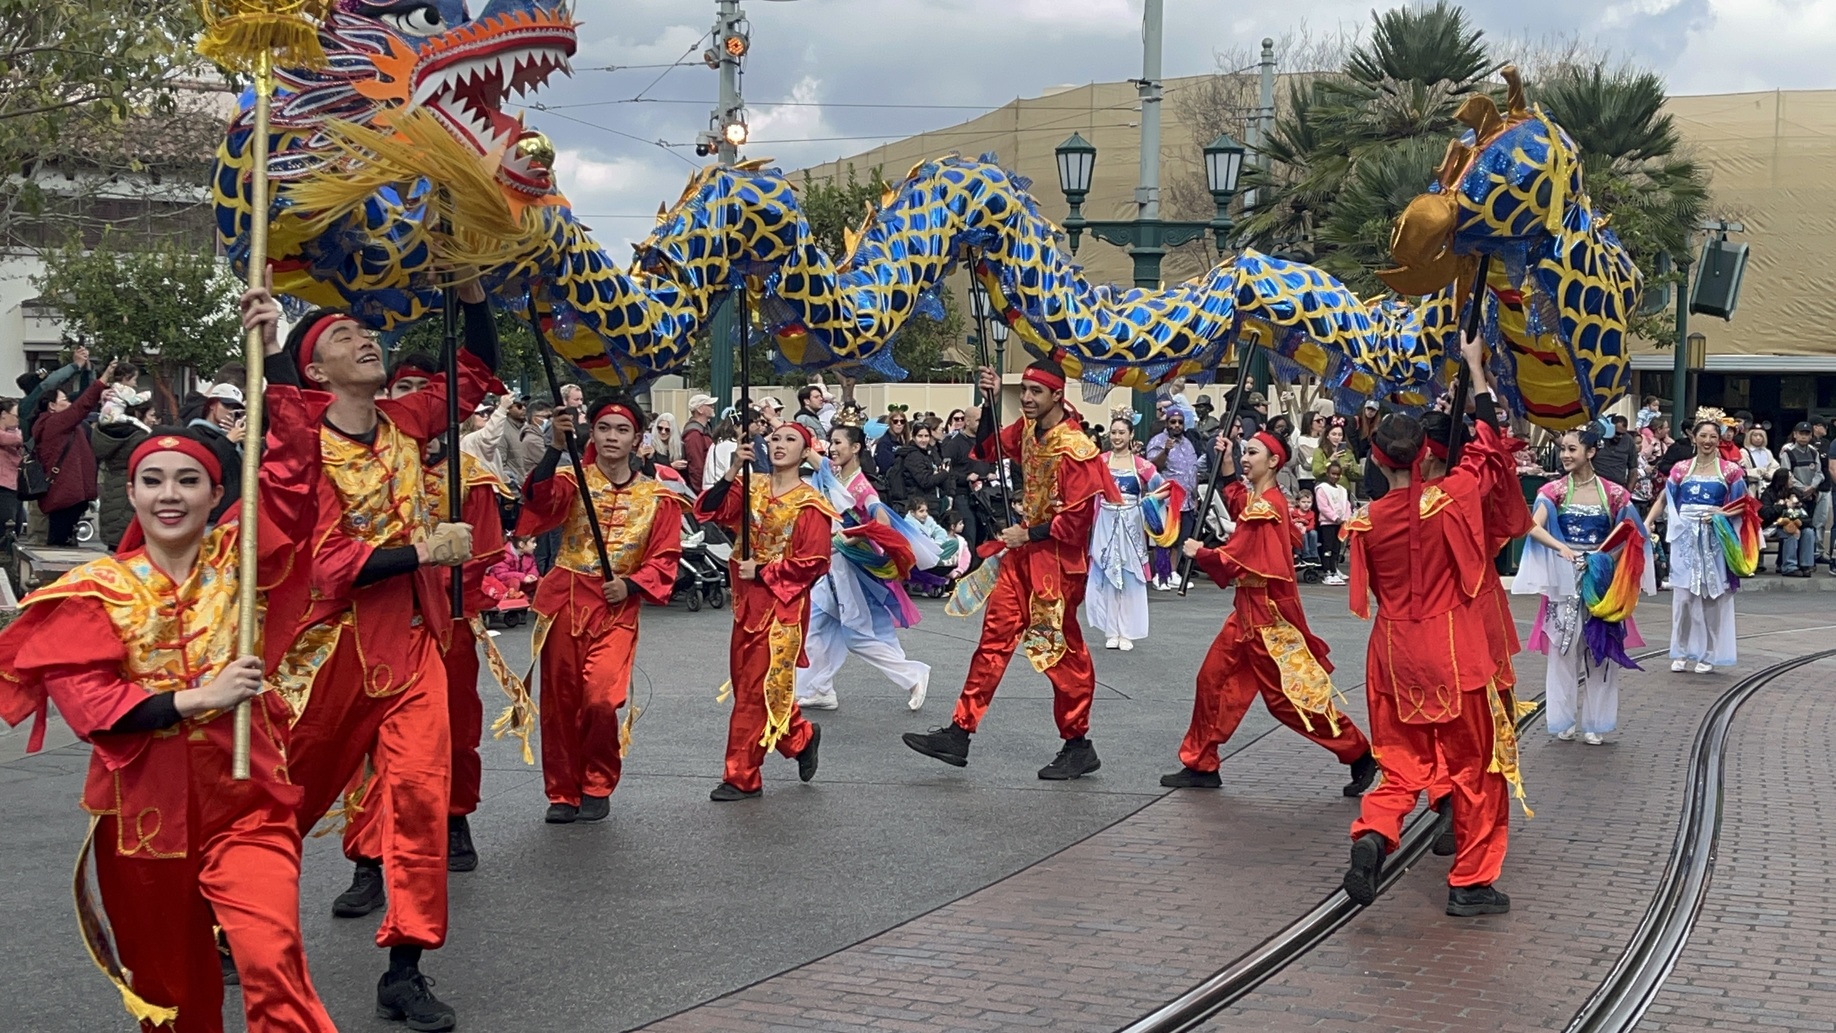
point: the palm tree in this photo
(1359, 129)
(1631, 154)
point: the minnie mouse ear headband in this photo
(183, 444)
(895, 407)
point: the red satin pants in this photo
(1004, 621)
(1482, 800)
(465, 717)
(584, 682)
(1236, 670)
(749, 659)
(408, 738)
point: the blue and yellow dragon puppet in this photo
(397, 164)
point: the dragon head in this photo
(392, 58)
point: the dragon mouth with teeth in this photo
(463, 78)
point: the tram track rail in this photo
(1617, 1005)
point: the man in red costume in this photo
(789, 525)
(1507, 516)
(1041, 572)
(365, 673)
(1265, 647)
(138, 650)
(465, 708)
(586, 631)
(1422, 549)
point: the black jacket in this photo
(920, 474)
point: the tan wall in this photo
(937, 398)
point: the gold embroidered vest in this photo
(625, 515)
(1039, 459)
(383, 488)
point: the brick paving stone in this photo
(1763, 952)
(1096, 935)
(1581, 875)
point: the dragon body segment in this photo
(397, 163)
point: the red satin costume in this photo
(586, 646)
(363, 834)
(790, 541)
(1259, 557)
(178, 844)
(1039, 586)
(365, 672)
(1424, 552)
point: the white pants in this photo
(1599, 700)
(1702, 629)
(830, 641)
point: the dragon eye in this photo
(418, 20)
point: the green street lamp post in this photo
(1148, 237)
(985, 316)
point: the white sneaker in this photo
(1592, 739)
(1334, 579)
(820, 701)
(1162, 586)
(1110, 643)
(1702, 668)
(1568, 736)
(1679, 666)
(917, 697)
(1125, 645)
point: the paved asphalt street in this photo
(674, 899)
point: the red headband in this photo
(809, 438)
(1277, 447)
(183, 445)
(1387, 463)
(403, 372)
(1046, 377)
(311, 338)
(615, 407)
(1437, 447)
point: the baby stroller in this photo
(701, 573)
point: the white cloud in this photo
(1758, 45)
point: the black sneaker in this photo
(1363, 773)
(949, 744)
(1366, 865)
(806, 761)
(408, 997)
(1075, 759)
(461, 855)
(1467, 901)
(594, 808)
(727, 792)
(1192, 778)
(561, 814)
(365, 894)
(1444, 843)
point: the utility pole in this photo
(726, 132)
(1147, 254)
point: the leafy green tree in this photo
(80, 79)
(165, 307)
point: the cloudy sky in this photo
(828, 78)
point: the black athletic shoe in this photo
(949, 744)
(1467, 901)
(408, 997)
(1366, 865)
(727, 792)
(365, 894)
(806, 761)
(1075, 760)
(461, 855)
(1191, 778)
(1444, 843)
(1363, 773)
(594, 808)
(561, 814)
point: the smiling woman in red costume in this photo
(1423, 550)
(138, 651)
(790, 524)
(586, 631)
(1265, 647)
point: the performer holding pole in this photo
(586, 632)
(143, 653)
(1224, 450)
(1040, 574)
